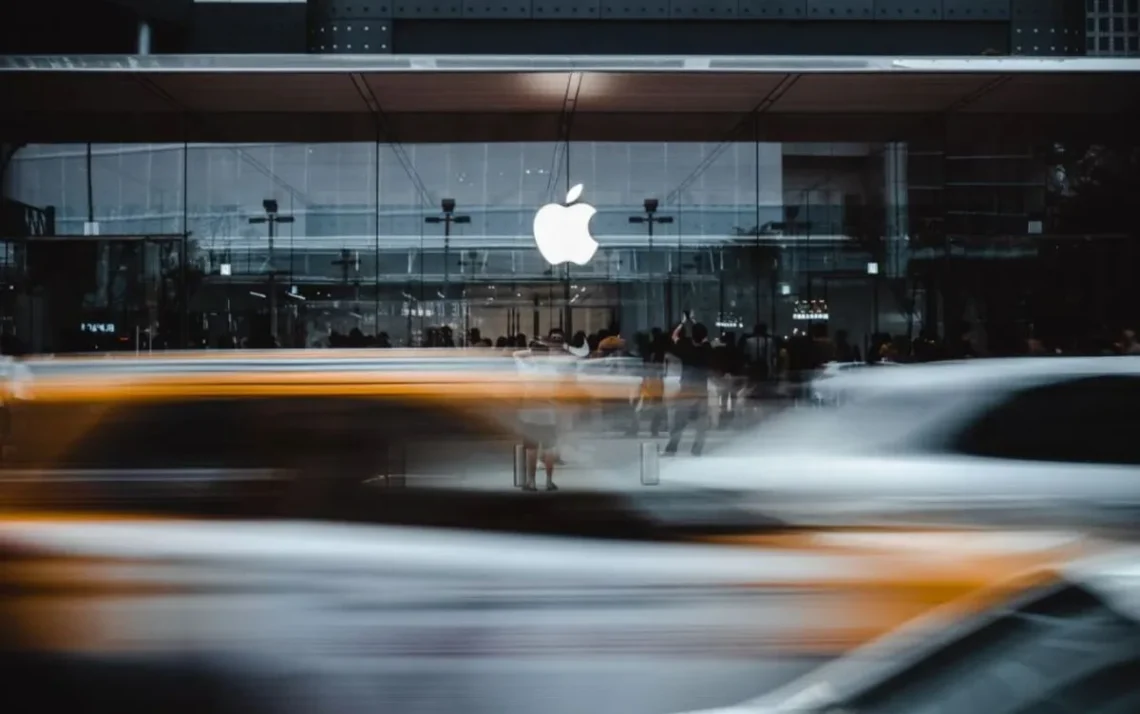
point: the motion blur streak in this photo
(293, 534)
(441, 621)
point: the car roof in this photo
(266, 360)
(980, 373)
(431, 372)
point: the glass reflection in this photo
(753, 228)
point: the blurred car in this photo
(1037, 436)
(1066, 647)
(327, 418)
(287, 616)
(818, 387)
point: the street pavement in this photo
(589, 462)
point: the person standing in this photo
(692, 404)
(757, 350)
(728, 367)
(651, 392)
(538, 414)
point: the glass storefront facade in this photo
(171, 242)
(154, 246)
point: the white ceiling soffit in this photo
(213, 64)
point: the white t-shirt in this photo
(543, 373)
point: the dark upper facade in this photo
(519, 27)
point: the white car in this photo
(1072, 645)
(819, 388)
(1022, 435)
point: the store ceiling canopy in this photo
(347, 98)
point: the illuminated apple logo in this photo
(562, 231)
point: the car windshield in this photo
(1067, 653)
(866, 423)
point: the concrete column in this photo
(897, 207)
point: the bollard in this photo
(650, 464)
(520, 465)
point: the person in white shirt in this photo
(538, 414)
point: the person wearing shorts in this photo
(539, 416)
(540, 442)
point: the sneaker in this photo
(551, 487)
(529, 487)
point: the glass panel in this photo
(862, 238)
(284, 238)
(117, 285)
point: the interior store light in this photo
(811, 310)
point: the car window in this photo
(1062, 658)
(859, 423)
(1111, 690)
(1093, 420)
(266, 433)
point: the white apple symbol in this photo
(562, 231)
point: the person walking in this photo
(651, 393)
(692, 404)
(757, 354)
(728, 367)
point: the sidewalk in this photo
(594, 462)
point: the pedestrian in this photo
(692, 404)
(727, 359)
(651, 393)
(538, 415)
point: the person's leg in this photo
(549, 459)
(548, 453)
(532, 451)
(700, 413)
(656, 416)
(633, 418)
(681, 413)
(566, 426)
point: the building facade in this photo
(553, 27)
(1112, 28)
(391, 185)
(752, 229)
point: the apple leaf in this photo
(574, 193)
